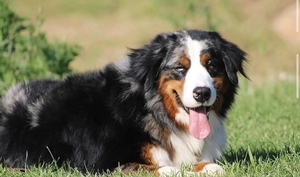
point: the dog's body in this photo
(149, 110)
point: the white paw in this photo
(213, 169)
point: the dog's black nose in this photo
(201, 94)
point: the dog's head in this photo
(194, 72)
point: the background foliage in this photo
(25, 52)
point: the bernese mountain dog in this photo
(163, 105)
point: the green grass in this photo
(263, 136)
(263, 132)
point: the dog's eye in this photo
(211, 68)
(180, 69)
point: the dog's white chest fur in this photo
(187, 150)
(190, 150)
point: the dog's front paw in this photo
(209, 168)
(206, 168)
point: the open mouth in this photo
(198, 119)
(187, 108)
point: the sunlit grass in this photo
(263, 136)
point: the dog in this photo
(163, 105)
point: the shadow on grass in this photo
(250, 155)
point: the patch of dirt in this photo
(284, 24)
(103, 40)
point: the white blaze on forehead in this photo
(194, 49)
(197, 75)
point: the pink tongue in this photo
(199, 126)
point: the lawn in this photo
(263, 132)
(263, 136)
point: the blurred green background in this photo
(266, 29)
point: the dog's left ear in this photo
(147, 61)
(233, 58)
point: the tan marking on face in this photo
(168, 89)
(221, 84)
(203, 58)
(185, 62)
